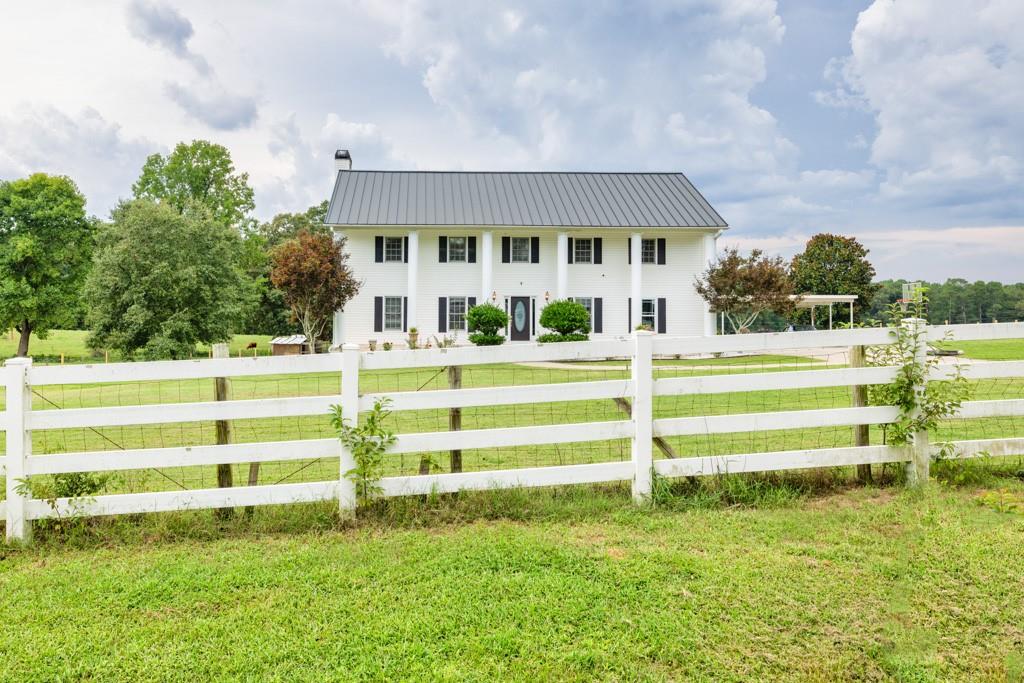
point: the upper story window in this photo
(649, 251)
(393, 250)
(583, 250)
(520, 250)
(457, 249)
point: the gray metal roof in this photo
(519, 199)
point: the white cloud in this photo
(91, 150)
(208, 102)
(943, 80)
(162, 25)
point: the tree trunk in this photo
(26, 332)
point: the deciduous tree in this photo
(46, 244)
(743, 287)
(313, 273)
(200, 172)
(163, 281)
(834, 264)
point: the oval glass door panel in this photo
(520, 315)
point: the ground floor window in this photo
(648, 314)
(456, 313)
(392, 313)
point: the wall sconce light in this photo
(494, 296)
(547, 296)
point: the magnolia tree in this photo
(312, 272)
(744, 287)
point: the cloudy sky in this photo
(900, 122)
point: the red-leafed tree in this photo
(743, 287)
(312, 272)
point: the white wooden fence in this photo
(20, 421)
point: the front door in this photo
(520, 318)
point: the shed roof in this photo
(536, 199)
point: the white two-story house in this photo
(430, 245)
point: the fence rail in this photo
(635, 396)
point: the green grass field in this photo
(997, 349)
(566, 585)
(802, 576)
(72, 344)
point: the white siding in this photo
(609, 280)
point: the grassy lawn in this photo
(996, 349)
(71, 343)
(570, 584)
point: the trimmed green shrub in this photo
(552, 337)
(484, 339)
(567, 318)
(485, 320)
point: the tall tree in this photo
(202, 172)
(744, 287)
(271, 314)
(163, 281)
(313, 273)
(46, 244)
(834, 264)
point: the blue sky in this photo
(898, 122)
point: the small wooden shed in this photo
(292, 345)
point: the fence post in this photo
(643, 416)
(19, 447)
(222, 392)
(350, 412)
(920, 453)
(859, 399)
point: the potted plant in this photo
(373, 344)
(414, 338)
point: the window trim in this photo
(654, 312)
(512, 249)
(465, 309)
(577, 242)
(391, 239)
(653, 242)
(465, 249)
(401, 314)
(589, 306)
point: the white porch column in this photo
(486, 267)
(710, 257)
(338, 323)
(411, 274)
(636, 289)
(562, 291)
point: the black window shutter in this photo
(533, 316)
(470, 303)
(534, 250)
(378, 249)
(471, 257)
(442, 249)
(597, 250)
(629, 250)
(570, 250)
(442, 314)
(629, 313)
(661, 316)
(405, 314)
(661, 251)
(378, 314)
(598, 317)
(405, 249)
(506, 249)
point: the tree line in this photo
(182, 261)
